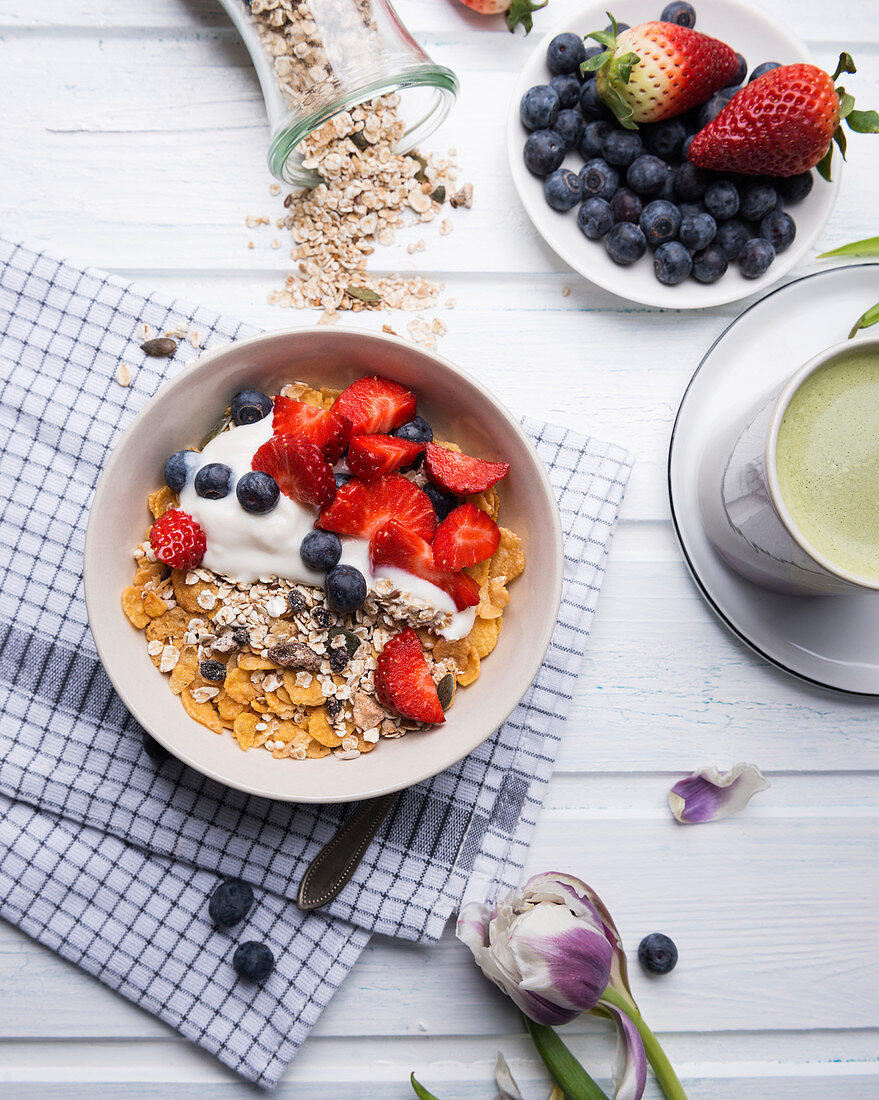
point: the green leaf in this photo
(521, 11)
(593, 64)
(566, 1071)
(866, 320)
(625, 65)
(846, 103)
(844, 65)
(363, 294)
(840, 139)
(420, 1091)
(863, 122)
(823, 165)
(867, 247)
(604, 38)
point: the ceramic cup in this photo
(742, 508)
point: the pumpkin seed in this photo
(349, 639)
(439, 195)
(445, 689)
(219, 426)
(363, 294)
(160, 348)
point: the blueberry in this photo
(257, 492)
(346, 589)
(712, 107)
(755, 257)
(213, 481)
(321, 550)
(757, 200)
(250, 406)
(544, 152)
(697, 231)
(626, 206)
(215, 671)
(691, 209)
(595, 218)
(646, 174)
(660, 221)
(795, 188)
(593, 138)
(342, 479)
(672, 263)
(567, 87)
(296, 602)
(177, 468)
(443, 503)
(600, 181)
(657, 953)
(253, 961)
(539, 107)
(691, 182)
(156, 752)
(621, 147)
(571, 126)
(710, 264)
(664, 139)
(667, 191)
(565, 53)
(685, 146)
(680, 12)
(761, 70)
(732, 237)
(722, 200)
(415, 431)
(230, 903)
(592, 105)
(779, 229)
(563, 189)
(625, 243)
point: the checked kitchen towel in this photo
(109, 859)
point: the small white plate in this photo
(752, 33)
(831, 641)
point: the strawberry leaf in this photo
(844, 65)
(863, 122)
(594, 63)
(521, 12)
(823, 165)
(839, 138)
(846, 103)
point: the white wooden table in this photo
(132, 137)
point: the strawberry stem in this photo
(861, 122)
(521, 11)
(614, 71)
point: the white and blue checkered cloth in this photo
(108, 859)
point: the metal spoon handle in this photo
(340, 857)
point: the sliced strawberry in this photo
(375, 405)
(178, 540)
(461, 474)
(467, 535)
(361, 508)
(403, 682)
(327, 429)
(299, 467)
(394, 545)
(372, 456)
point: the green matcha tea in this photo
(827, 458)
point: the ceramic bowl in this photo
(460, 409)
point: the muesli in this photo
(322, 574)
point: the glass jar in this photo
(315, 58)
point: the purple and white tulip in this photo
(710, 794)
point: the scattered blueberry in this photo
(691, 209)
(443, 503)
(680, 12)
(253, 961)
(672, 263)
(626, 206)
(257, 492)
(296, 602)
(415, 431)
(646, 174)
(741, 72)
(571, 126)
(657, 953)
(544, 152)
(591, 103)
(177, 468)
(345, 588)
(230, 903)
(215, 671)
(779, 229)
(539, 107)
(213, 481)
(691, 182)
(621, 147)
(565, 53)
(660, 221)
(342, 479)
(625, 243)
(567, 87)
(593, 138)
(710, 264)
(755, 257)
(795, 188)
(667, 191)
(732, 237)
(757, 200)
(600, 180)
(321, 550)
(595, 218)
(563, 189)
(721, 200)
(697, 231)
(250, 406)
(156, 752)
(761, 70)
(664, 139)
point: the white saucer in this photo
(831, 641)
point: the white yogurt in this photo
(245, 546)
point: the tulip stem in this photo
(565, 1070)
(662, 1068)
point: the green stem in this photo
(564, 1068)
(662, 1068)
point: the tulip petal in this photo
(710, 794)
(509, 1090)
(630, 1066)
(472, 924)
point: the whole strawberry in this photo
(517, 11)
(782, 124)
(658, 70)
(178, 540)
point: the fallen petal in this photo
(630, 1067)
(509, 1090)
(710, 794)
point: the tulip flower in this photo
(710, 794)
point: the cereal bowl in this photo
(460, 409)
